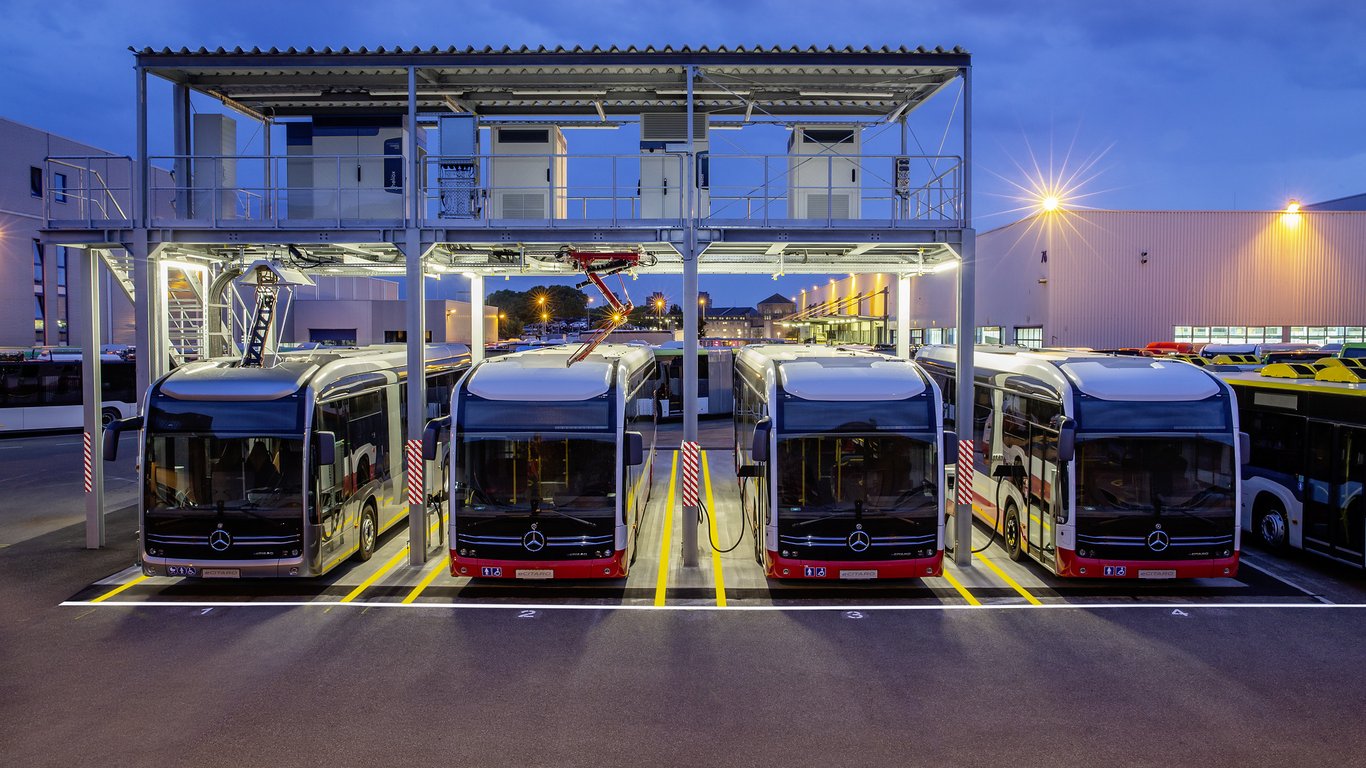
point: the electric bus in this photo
(1102, 466)
(840, 456)
(1302, 485)
(551, 463)
(281, 471)
(43, 396)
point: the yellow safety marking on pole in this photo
(711, 524)
(662, 580)
(377, 575)
(120, 588)
(443, 564)
(1015, 585)
(962, 590)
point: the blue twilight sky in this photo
(1235, 104)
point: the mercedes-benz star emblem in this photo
(1158, 541)
(859, 541)
(220, 540)
(533, 541)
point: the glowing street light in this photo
(1291, 217)
(1050, 203)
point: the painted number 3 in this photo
(853, 614)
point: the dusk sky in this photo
(1171, 105)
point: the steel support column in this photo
(903, 316)
(149, 315)
(417, 336)
(963, 392)
(476, 318)
(690, 297)
(91, 387)
(180, 133)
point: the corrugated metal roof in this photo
(541, 50)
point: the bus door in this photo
(1333, 491)
(1041, 475)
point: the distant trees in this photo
(522, 308)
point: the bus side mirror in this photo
(112, 430)
(950, 448)
(327, 448)
(431, 437)
(635, 449)
(1067, 439)
(1245, 447)
(750, 470)
(762, 429)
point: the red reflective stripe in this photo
(691, 470)
(415, 469)
(965, 472)
(89, 462)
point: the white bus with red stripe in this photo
(286, 470)
(551, 463)
(1101, 466)
(840, 456)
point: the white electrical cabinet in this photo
(663, 166)
(823, 172)
(347, 167)
(528, 173)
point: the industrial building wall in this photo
(1202, 268)
(447, 321)
(22, 215)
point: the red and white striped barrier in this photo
(89, 462)
(415, 465)
(964, 472)
(691, 455)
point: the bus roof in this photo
(225, 379)
(544, 375)
(823, 373)
(1106, 377)
(1255, 379)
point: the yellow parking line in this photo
(116, 590)
(962, 590)
(377, 575)
(711, 523)
(1015, 585)
(662, 580)
(443, 565)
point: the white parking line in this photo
(1266, 569)
(728, 609)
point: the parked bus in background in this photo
(280, 471)
(1302, 486)
(41, 396)
(840, 456)
(552, 463)
(1102, 466)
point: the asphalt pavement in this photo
(429, 684)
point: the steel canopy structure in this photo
(213, 209)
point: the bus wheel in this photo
(369, 532)
(108, 416)
(1014, 544)
(1273, 529)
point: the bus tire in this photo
(1013, 538)
(369, 532)
(109, 416)
(1271, 524)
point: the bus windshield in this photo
(216, 473)
(1155, 476)
(856, 475)
(572, 475)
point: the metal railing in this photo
(506, 190)
(94, 190)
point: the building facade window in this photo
(400, 337)
(59, 187)
(1029, 336)
(917, 337)
(35, 181)
(988, 334)
(1227, 334)
(1328, 334)
(63, 325)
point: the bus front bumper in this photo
(779, 567)
(1069, 564)
(613, 567)
(225, 569)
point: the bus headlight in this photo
(462, 552)
(785, 553)
(1227, 552)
